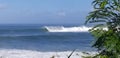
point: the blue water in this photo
(35, 37)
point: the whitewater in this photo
(13, 53)
(67, 29)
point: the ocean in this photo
(37, 38)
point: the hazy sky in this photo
(44, 11)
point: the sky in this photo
(44, 11)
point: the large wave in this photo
(67, 29)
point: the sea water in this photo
(36, 38)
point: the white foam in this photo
(13, 53)
(67, 29)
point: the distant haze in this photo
(44, 11)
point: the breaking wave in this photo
(67, 29)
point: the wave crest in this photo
(67, 29)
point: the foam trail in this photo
(67, 29)
(15, 53)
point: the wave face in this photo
(67, 29)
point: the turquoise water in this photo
(35, 37)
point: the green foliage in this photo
(107, 42)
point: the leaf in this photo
(103, 4)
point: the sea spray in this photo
(67, 29)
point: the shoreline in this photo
(16, 53)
